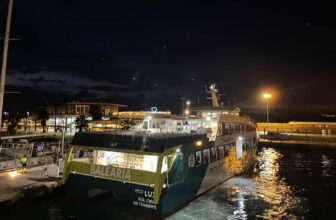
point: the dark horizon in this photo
(154, 53)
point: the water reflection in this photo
(327, 164)
(271, 188)
(287, 183)
(263, 195)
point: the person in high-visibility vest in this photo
(24, 161)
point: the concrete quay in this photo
(15, 185)
(314, 144)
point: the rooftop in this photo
(95, 103)
(210, 108)
(136, 141)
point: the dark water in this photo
(287, 183)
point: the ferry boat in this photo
(166, 162)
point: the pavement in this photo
(14, 187)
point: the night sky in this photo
(153, 53)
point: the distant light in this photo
(178, 150)
(13, 174)
(149, 117)
(154, 109)
(267, 95)
(186, 112)
(199, 143)
(208, 118)
(240, 138)
(188, 102)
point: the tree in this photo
(126, 124)
(12, 126)
(96, 112)
(81, 123)
(43, 116)
(5, 119)
(13, 121)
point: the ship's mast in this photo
(214, 97)
(4, 58)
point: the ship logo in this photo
(110, 172)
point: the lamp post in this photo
(267, 96)
(187, 108)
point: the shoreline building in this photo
(136, 116)
(64, 115)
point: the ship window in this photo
(221, 152)
(232, 128)
(198, 158)
(226, 150)
(226, 128)
(82, 155)
(164, 164)
(126, 160)
(206, 156)
(213, 154)
(219, 131)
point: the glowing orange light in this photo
(267, 95)
(13, 174)
(198, 143)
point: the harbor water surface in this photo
(290, 182)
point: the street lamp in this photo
(267, 96)
(187, 108)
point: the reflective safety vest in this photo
(24, 159)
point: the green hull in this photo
(186, 184)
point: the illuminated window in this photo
(206, 156)
(164, 167)
(126, 160)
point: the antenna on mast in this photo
(214, 97)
